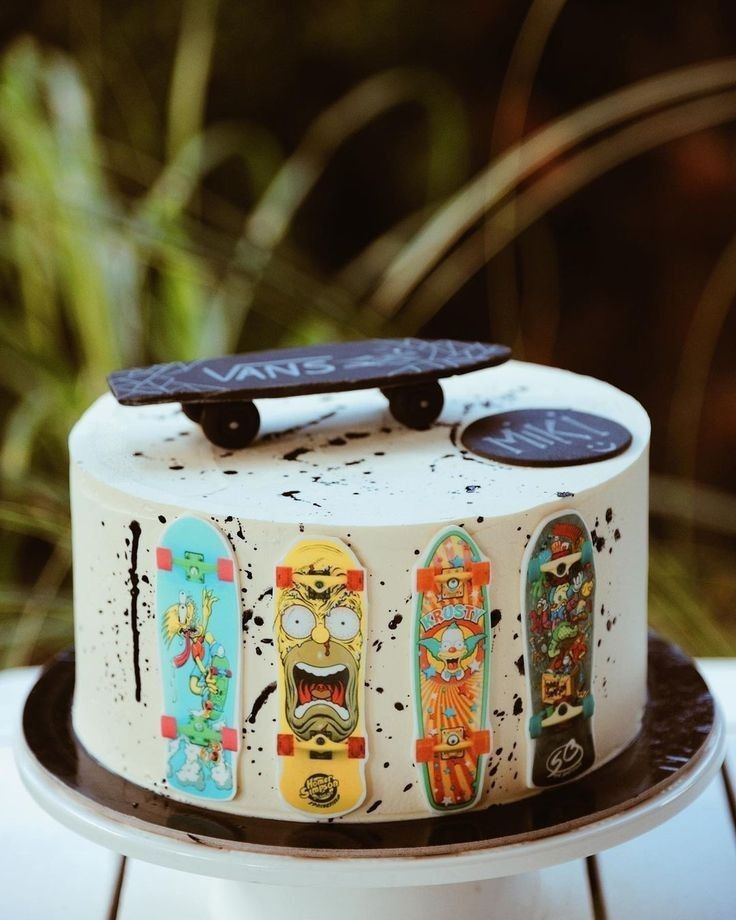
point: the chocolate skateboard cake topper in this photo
(218, 393)
(546, 437)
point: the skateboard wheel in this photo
(425, 580)
(416, 407)
(164, 558)
(425, 749)
(230, 425)
(535, 725)
(480, 573)
(225, 571)
(229, 739)
(355, 580)
(588, 706)
(284, 576)
(169, 727)
(356, 748)
(481, 742)
(285, 745)
(193, 410)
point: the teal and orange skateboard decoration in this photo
(558, 599)
(198, 617)
(452, 661)
(320, 628)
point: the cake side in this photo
(118, 527)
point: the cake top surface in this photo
(340, 458)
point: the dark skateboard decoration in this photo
(559, 598)
(218, 393)
(546, 437)
(452, 663)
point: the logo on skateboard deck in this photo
(320, 625)
(198, 614)
(558, 597)
(451, 662)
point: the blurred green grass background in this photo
(138, 226)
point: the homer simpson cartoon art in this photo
(320, 628)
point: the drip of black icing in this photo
(135, 529)
(260, 700)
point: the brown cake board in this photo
(404, 869)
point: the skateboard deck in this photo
(199, 626)
(559, 601)
(320, 630)
(327, 368)
(451, 664)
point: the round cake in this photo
(350, 619)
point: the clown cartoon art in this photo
(320, 628)
(451, 663)
(559, 592)
(199, 626)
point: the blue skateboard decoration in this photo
(198, 617)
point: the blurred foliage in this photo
(136, 226)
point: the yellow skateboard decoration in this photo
(320, 626)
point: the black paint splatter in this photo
(566, 495)
(495, 618)
(259, 702)
(609, 515)
(598, 542)
(395, 621)
(520, 665)
(373, 807)
(296, 453)
(135, 529)
(518, 707)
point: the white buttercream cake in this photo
(328, 661)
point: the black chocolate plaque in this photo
(311, 369)
(546, 437)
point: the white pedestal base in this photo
(494, 899)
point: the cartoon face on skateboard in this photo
(558, 599)
(320, 627)
(451, 663)
(198, 615)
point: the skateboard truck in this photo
(453, 743)
(228, 737)
(195, 568)
(320, 747)
(453, 580)
(286, 577)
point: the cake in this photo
(353, 620)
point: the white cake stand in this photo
(488, 878)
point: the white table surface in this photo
(683, 870)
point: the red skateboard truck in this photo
(477, 573)
(287, 744)
(454, 741)
(286, 578)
